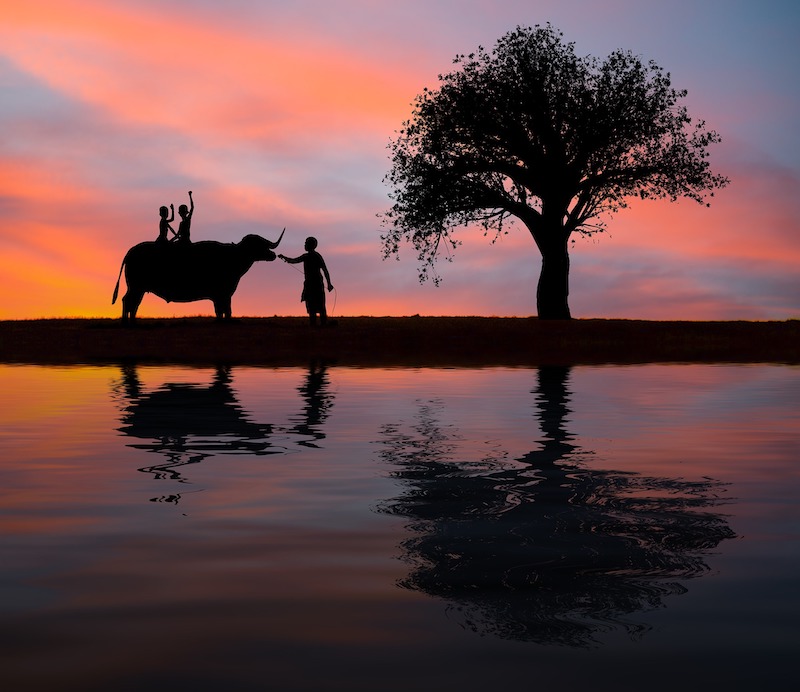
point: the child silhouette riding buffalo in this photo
(184, 271)
(183, 234)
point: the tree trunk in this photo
(553, 290)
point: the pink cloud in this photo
(140, 69)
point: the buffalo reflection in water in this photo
(187, 423)
(545, 549)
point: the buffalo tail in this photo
(116, 288)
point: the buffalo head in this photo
(258, 248)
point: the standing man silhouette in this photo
(313, 288)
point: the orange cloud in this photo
(139, 68)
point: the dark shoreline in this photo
(397, 341)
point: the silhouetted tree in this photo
(532, 131)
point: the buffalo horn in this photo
(277, 242)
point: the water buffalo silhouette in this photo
(206, 270)
(190, 421)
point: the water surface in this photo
(338, 528)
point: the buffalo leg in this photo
(130, 305)
(222, 307)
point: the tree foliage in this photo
(531, 130)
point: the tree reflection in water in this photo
(187, 423)
(545, 549)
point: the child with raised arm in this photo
(163, 224)
(184, 227)
(313, 288)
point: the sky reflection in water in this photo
(220, 527)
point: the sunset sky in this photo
(277, 113)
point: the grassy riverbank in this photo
(397, 341)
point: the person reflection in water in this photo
(184, 227)
(545, 548)
(313, 288)
(164, 227)
(315, 393)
